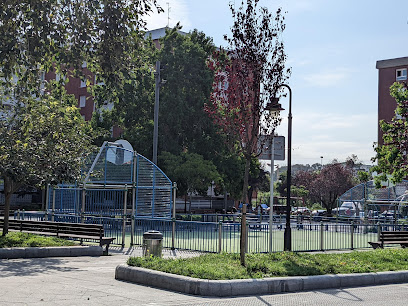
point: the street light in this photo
(274, 107)
(158, 83)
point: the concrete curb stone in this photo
(39, 252)
(238, 287)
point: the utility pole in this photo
(156, 111)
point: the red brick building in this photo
(389, 71)
(78, 87)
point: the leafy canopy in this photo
(43, 141)
(392, 156)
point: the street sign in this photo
(279, 147)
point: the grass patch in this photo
(227, 266)
(19, 239)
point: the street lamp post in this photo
(158, 83)
(288, 234)
(275, 106)
(156, 112)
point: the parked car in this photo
(390, 215)
(348, 209)
(318, 214)
(302, 211)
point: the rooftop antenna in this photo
(168, 14)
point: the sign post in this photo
(274, 149)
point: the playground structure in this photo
(371, 202)
(118, 186)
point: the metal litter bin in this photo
(152, 243)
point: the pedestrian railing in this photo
(225, 236)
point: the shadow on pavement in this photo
(342, 294)
(33, 266)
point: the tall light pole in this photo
(158, 83)
(288, 233)
(156, 111)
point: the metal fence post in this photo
(132, 233)
(53, 204)
(47, 197)
(173, 229)
(173, 233)
(219, 236)
(124, 217)
(378, 231)
(246, 237)
(83, 204)
(321, 236)
(352, 235)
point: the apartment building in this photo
(389, 71)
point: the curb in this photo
(39, 252)
(238, 287)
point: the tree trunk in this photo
(243, 218)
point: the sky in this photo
(332, 48)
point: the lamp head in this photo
(274, 106)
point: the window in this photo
(83, 83)
(401, 74)
(82, 101)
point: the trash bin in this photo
(152, 243)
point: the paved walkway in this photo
(90, 281)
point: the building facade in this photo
(389, 71)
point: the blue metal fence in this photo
(225, 237)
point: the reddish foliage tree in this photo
(327, 185)
(255, 62)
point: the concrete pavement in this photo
(90, 281)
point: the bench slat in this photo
(61, 229)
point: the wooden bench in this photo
(61, 229)
(391, 237)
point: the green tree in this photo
(363, 176)
(183, 125)
(133, 109)
(41, 141)
(60, 35)
(391, 157)
(191, 171)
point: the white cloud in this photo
(332, 136)
(178, 13)
(328, 78)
